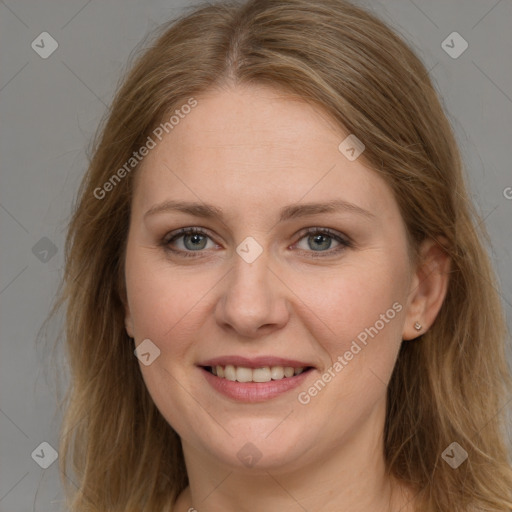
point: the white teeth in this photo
(288, 371)
(261, 374)
(277, 372)
(243, 374)
(264, 374)
(230, 372)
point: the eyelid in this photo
(326, 231)
(344, 240)
(178, 233)
(189, 230)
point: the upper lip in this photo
(255, 362)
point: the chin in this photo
(255, 446)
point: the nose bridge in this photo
(252, 297)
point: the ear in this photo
(428, 288)
(128, 322)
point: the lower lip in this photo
(254, 391)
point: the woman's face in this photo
(255, 290)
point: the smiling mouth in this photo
(263, 374)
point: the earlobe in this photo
(428, 288)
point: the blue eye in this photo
(193, 241)
(318, 239)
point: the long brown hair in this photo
(117, 453)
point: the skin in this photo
(252, 150)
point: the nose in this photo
(254, 300)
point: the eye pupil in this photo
(319, 238)
(196, 238)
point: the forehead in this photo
(253, 147)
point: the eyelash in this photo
(345, 242)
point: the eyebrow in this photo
(289, 212)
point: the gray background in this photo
(50, 109)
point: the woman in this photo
(277, 294)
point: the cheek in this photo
(159, 297)
(353, 297)
(359, 316)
